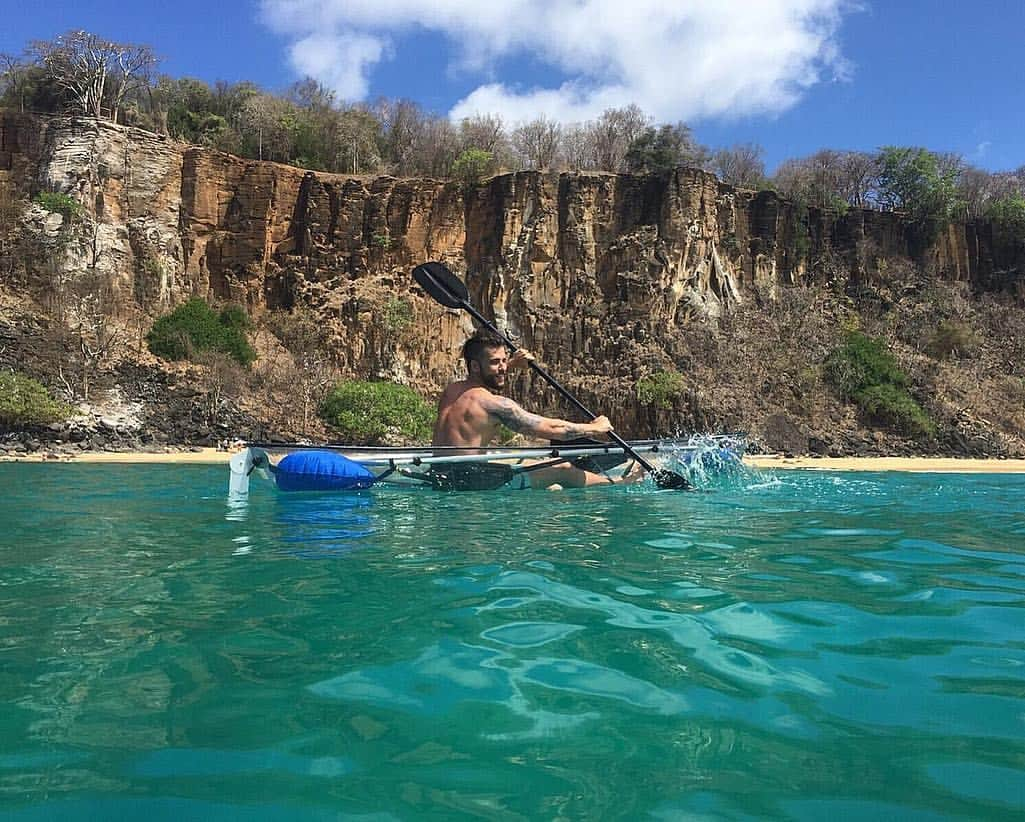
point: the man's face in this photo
(493, 364)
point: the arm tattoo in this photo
(515, 417)
(523, 422)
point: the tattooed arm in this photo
(522, 421)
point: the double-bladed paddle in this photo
(447, 289)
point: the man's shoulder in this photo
(464, 391)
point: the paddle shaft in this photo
(554, 383)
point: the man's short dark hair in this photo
(474, 347)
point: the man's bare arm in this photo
(514, 416)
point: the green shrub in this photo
(1009, 214)
(23, 401)
(862, 361)
(372, 412)
(892, 406)
(57, 203)
(472, 166)
(660, 389)
(863, 369)
(194, 327)
(397, 314)
(951, 339)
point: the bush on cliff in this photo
(194, 328)
(862, 369)
(660, 389)
(371, 413)
(1009, 215)
(23, 401)
(472, 166)
(56, 203)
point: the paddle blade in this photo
(444, 286)
(671, 480)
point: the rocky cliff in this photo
(606, 277)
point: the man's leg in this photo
(569, 476)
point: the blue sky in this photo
(792, 75)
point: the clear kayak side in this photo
(293, 466)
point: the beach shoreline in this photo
(941, 465)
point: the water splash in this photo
(708, 460)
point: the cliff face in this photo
(593, 272)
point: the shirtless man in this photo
(470, 411)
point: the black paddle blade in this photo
(444, 286)
(671, 480)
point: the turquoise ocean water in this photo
(795, 645)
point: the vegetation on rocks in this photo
(25, 402)
(863, 369)
(56, 203)
(1008, 213)
(194, 328)
(373, 413)
(472, 166)
(660, 389)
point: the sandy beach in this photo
(939, 465)
(936, 465)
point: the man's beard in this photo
(493, 381)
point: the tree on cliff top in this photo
(536, 143)
(829, 179)
(664, 149)
(919, 182)
(612, 133)
(741, 165)
(95, 73)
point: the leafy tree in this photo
(374, 412)
(663, 149)
(194, 327)
(24, 401)
(1009, 214)
(472, 166)
(268, 126)
(356, 143)
(191, 113)
(919, 182)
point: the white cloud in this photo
(677, 59)
(342, 61)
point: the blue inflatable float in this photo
(321, 471)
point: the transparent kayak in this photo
(323, 468)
